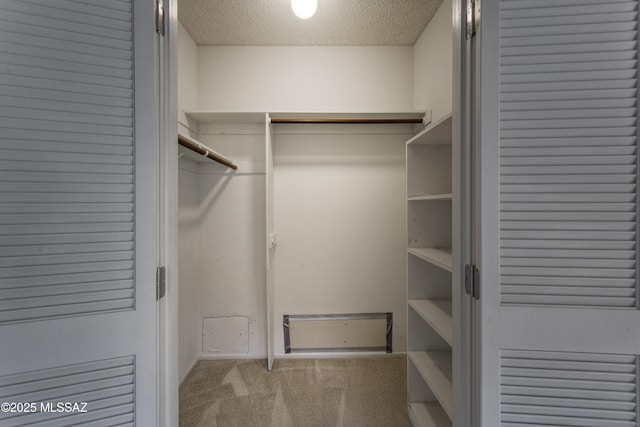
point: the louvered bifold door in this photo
(66, 168)
(77, 208)
(565, 286)
(568, 122)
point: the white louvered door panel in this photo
(106, 386)
(583, 389)
(77, 209)
(568, 161)
(558, 311)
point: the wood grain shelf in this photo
(435, 369)
(437, 313)
(440, 257)
(428, 414)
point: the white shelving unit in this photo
(438, 133)
(437, 313)
(428, 415)
(438, 256)
(435, 368)
(430, 262)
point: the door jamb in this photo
(461, 132)
(167, 181)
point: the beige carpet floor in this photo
(363, 392)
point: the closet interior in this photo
(315, 206)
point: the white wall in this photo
(340, 199)
(187, 76)
(340, 219)
(188, 265)
(433, 64)
(305, 78)
(188, 222)
(340, 211)
(221, 230)
(232, 233)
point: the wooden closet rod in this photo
(347, 121)
(203, 150)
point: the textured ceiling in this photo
(336, 22)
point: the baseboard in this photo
(186, 374)
(231, 356)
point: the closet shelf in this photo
(420, 197)
(428, 414)
(417, 117)
(437, 313)
(438, 133)
(435, 368)
(409, 117)
(225, 117)
(440, 257)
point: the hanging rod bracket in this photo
(426, 120)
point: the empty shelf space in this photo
(435, 369)
(428, 414)
(418, 197)
(440, 257)
(438, 133)
(437, 313)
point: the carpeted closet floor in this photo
(297, 393)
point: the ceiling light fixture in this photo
(304, 9)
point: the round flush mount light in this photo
(304, 9)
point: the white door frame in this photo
(463, 381)
(167, 175)
(168, 239)
(487, 369)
